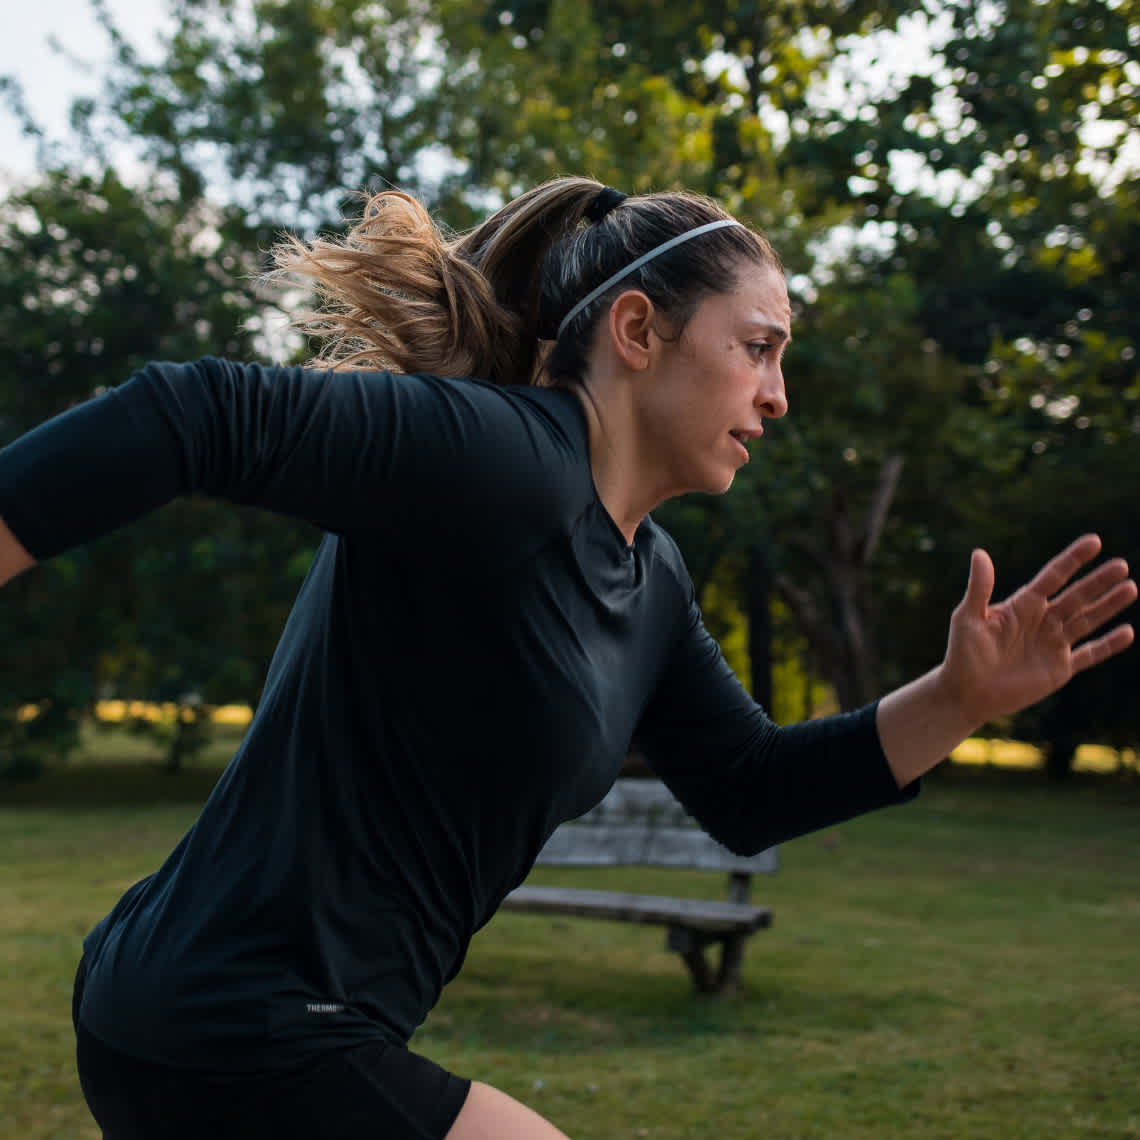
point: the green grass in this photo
(965, 967)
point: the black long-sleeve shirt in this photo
(464, 669)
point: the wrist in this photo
(923, 722)
(951, 697)
(959, 697)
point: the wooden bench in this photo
(640, 823)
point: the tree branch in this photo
(880, 507)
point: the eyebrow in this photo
(777, 332)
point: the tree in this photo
(1097, 707)
(940, 355)
(281, 108)
(526, 91)
(96, 279)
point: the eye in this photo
(759, 349)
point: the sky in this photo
(51, 80)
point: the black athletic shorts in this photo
(375, 1091)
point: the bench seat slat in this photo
(695, 914)
(608, 844)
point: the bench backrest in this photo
(639, 822)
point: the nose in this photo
(771, 399)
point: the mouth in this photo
(744, 437)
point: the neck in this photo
(619, 477)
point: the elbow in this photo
(747, 846)
(743, 836)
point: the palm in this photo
(1003, 657)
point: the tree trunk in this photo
(839, 623)
(1060, 753)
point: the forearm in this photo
(14, 559)
(920, 724)
(83, 474)
(209, 428)
(776, 783)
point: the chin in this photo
(718, 484)
(706, 480)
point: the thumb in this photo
(980, 587)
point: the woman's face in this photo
(711, 389)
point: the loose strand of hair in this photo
(394, 293)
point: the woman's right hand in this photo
(14, 559)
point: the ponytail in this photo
(394, 293)
(516, 300)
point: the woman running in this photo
(492, 616)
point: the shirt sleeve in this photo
(345, 451)
(749, 782)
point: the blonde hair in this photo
(397, 293)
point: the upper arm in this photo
(345, 451)
(701, 725)
(371, 451)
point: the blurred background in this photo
(954, 186)
(954, 189)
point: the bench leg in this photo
(731, 956)
(691, 945)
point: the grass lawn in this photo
(965, 967)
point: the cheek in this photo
(680, 403)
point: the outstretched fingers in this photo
(1092, 653)
(1100, 594)
(1100, 608)
(1060, 569)
(1086, 604)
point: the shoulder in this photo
(500, 469)
(513, 444)
(550, 420)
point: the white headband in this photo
(594, 294)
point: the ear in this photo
(631, 328)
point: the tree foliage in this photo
(961, 238)
(96, 279)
